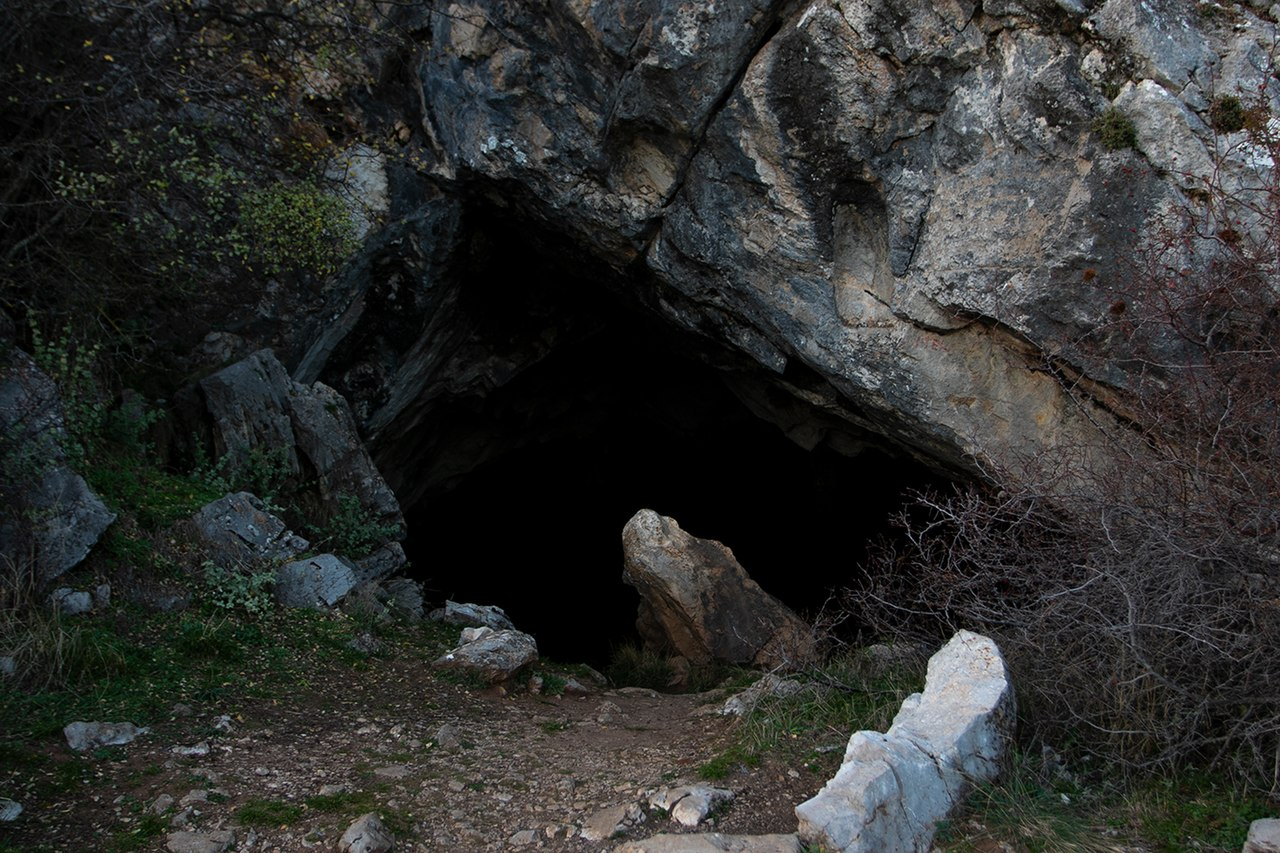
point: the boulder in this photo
(893, 788)
(611, 821)
(49, 516)
(698, 602)
(71, 602)
(770, 685)
(1264, 837)
(494, 657)
(237, 530)
(318, 582)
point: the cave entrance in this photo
(527, 486)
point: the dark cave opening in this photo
(516, 489)
(623, 422)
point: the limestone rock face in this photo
(698, 602)
(893, 788)
(898, 212)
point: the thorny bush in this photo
(1135, 586)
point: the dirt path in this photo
(449, 770)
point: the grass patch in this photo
(724, 764)
(553, 726)
(1195, 811)
(344, 803)
(138, 836)
(259, 812)
(634, 666)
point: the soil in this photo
(510, 772)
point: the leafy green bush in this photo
(296, 227)
(354, 530)
(244, 590)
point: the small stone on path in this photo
(218, 841)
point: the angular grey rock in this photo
(72, 518)
(1264, 837)
(366, 835)
(9, 810)
(611, 821)
(476, 615)
(382, 562)
(403, 598)
(317, 583)
(495, 657)
(713, 843)
(71, 602)
(84, 735)
(255, 406)
(893, 788)
(769, 686)
(697, 601)
(53, 519)
(216, 841)
(239, 531)
(1168, 133)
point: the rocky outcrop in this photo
(474, 615)
(893, 788)
(49, 517)
(304, 434)
(698, 602)
(897, 214)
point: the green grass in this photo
(1196, 809)
(351, 803)
(723, 765)
(157, 659)
(260, 812)
(1041, 811)
(633, 666)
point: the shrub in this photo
(1135, 585)
(1227, 114)
(1115, 130)
(354, 530)
(249, 591)
(296, 227)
